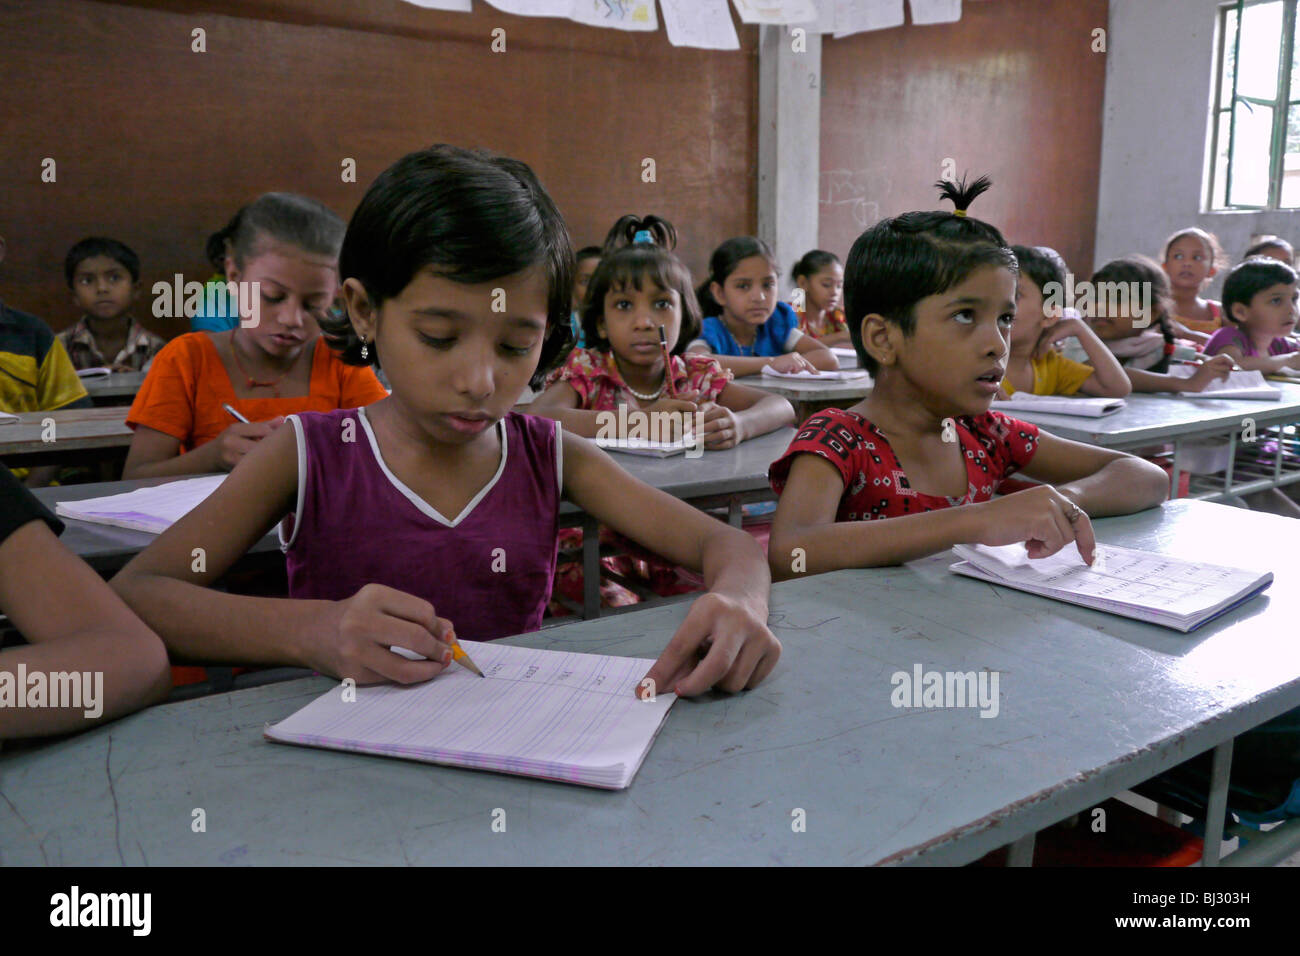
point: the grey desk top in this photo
(1151, 418)
(75, 429)
(811, 391)
(1089, 704)
(739, 469)
(116, 385)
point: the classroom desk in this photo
(716, 479)
(811, 397)
(108, 549)
(1089, 705)
(119, 388)
(1153, 419)
(80, 434)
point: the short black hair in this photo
(1251, 278)
(1041, 264)
(900, 261)
(1270, 242)
(471, 215)
(101, 246)
(587, 252)
(626, 262)
(295, 220)
(812, 262)
(723, 263)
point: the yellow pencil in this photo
(458, 654)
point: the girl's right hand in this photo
(356, 635)
(792, 362)
(239, 439)
(1218, 367)
(683, 406)
(1038, 517)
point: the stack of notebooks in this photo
(841, 375)
(153, 509)
(1248, 385)
(560, 716)
(1058, 405)
(1155, 588)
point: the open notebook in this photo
(551, 714)
(842, 375)
(153, 509)
(643, 446)
(1236, 385)
(1058, 405)
(1156, 588)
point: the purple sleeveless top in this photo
(487, 571)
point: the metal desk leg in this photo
(1220, 769)
(1174, 471)
(590, 567)
(735, 512)
(1021, 853)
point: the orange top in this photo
(187, 384)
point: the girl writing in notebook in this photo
(639, 288)
(1192, 258)
(1144, 341)
(912, 469)
(437, 507)
(1035, 365)
(271, 364)
(745, 325)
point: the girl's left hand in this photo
(1048, 338)
(721, 426)
(721, 644)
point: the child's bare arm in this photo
(756, 412)
(1100, 481)
(817, 353)
(74, 622)
(731, 619)
(168, 586)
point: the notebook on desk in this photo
(644, 446)
(1058, 405)
(98, 371)
(1155, 588)
(1248, 385)
(551, 714)
(840, 375)
(8, 418)
(153, 509)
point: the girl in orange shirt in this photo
(265, 370)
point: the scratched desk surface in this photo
(1089, 705)
(1153, 418)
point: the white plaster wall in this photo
(1159, 79)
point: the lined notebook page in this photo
(561, 716)
(1157, 588)
(152, 509)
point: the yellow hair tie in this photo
(959, 212)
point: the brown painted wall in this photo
(157, 145)
(1012, 90)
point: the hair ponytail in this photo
(635, 230)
